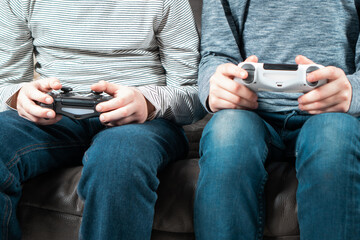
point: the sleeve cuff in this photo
(7, 95)
(204, 87)
(355, 98)
(146, 91)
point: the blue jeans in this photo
(234, 148)
(119, 178)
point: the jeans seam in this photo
(352, 202)
(8, 221)
(5, 184)
(91, 126)
(3, 221)
(85, 157)
(19, 153)
(261, 215)
(6, 218)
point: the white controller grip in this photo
(279, 77)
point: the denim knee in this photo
(328, 144)
(327, 165)
(240, 125)
(9, 127)
(122, 159)
(15, 131)
(233, 150)
(234, 142)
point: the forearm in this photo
(16, 50)
(218, 45)
(179, 104)
(179, 53)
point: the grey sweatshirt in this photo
(327, 32)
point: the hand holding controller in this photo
(76, 105)
(279, 77)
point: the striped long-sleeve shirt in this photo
(149, 44)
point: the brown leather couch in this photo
(51, 209)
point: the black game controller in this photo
(76, 105)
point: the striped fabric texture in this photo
(148, 44)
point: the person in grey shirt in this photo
(317, 131)
(144, 54)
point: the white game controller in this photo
(279, 77)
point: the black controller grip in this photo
(76, 105)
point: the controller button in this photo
(309, 70)
(251, 73)
(66, 89)
(96, 93)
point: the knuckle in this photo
(342, 108)
(348, 96)
(220, 68)
(232, 106)
(347, 84)
(347, 93)
(341, 71)
(238, 87)
(344, 96)
(35, 83)
(132, 94)
(43, 81)
(317, 94)
(139, 118)
(36, 120)
(212, 83)
(118, 101)
(332, 70)
(213, 101)
(213, 89)
(213, 80)
(304, 108)
(253, 97)
(224, 68)
(238, 99)
(255, 105)
(211, 93)
(124, 112)
(21, 113)
(336, 70)
(108, 124)
(315, 112)
(317, 105)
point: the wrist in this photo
(12, 102)
(150, 110)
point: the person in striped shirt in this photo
(143, 53)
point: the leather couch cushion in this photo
(50, 207)
(281, 207)
(193, 133)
